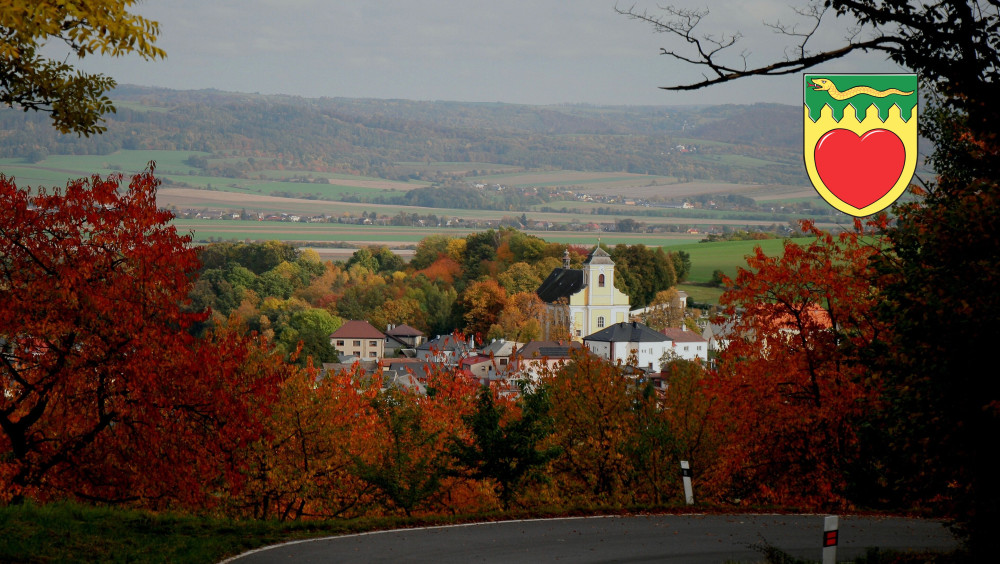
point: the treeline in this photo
(457, 196)
(370, 136)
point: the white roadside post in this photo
(686, 476)
(830, 534)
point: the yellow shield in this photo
(860, 142)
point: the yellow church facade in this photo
(585, 300)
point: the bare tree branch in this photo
(950, 38)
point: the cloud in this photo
(525, 51)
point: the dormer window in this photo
(600, 281)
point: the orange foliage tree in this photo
(103, 394)
(406, 454)
(596, 409)
(482, 302)
(789, 389)
(301, 467)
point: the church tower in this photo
(585, 298)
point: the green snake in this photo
(825, 84)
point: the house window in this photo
(686, 348)
(579, 332)
(372, 354)
(372, 343)
(503, 362)
(600, 320)
(340, 343)
(357, 343)
(600, 281)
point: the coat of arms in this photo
(860, 143)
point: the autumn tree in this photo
(102, 387)
(302, 467)
(506, 441)
(482, 303)
(591, 409)
(32, 81)
(642, 272)
(519, 277)
(790, 379)
(521, 319)
(665, 310)
(308, 333)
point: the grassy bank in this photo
(68, 532)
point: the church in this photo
(584, 300)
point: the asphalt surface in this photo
(658, 538)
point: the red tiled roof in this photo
(357, 330)
(404, 330)
(682, 336)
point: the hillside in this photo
(373, 137)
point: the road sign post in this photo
(686, 476)
(831, 524)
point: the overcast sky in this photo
(514, 51)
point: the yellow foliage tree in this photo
(76, 100)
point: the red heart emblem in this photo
(859, 170)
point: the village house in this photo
(358, 339)
(543, 357)
(630, 343)
(402, 337)
(687, 345)
(446, 349)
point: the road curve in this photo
(653, 538)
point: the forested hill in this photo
(369, 136)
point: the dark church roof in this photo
(626, 332)
(562, 283)
(599, 256)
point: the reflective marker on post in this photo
(830, 538)
(686, 476)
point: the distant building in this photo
(360, 339)
(402, 337)
(540, 357)
(585, 300)
(687, 345)
(446, 349)
(622, 342)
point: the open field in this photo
(454, 167)
(391, 235)
(189, 198)
(55, 170)
(726, 255)
(701, 294)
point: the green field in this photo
(726, 255)
(55, 170)
(701, 294)
(236, 230)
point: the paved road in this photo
(673, 538)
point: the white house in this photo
(687, 345)
(622, 341)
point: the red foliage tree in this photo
(103, 394)
(788, 385)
